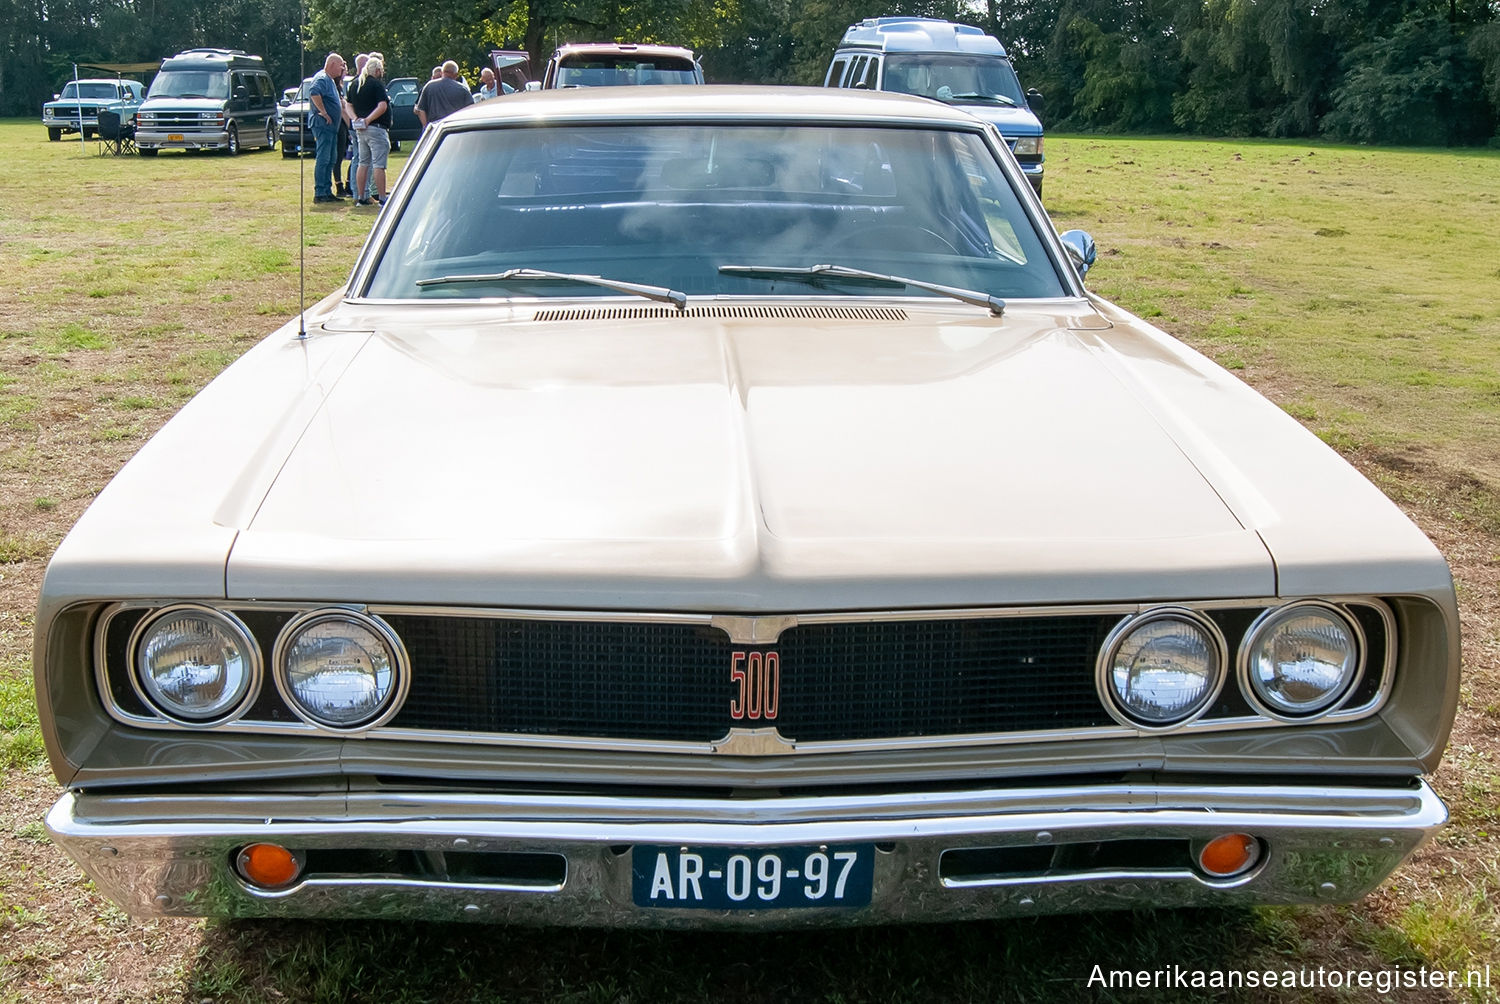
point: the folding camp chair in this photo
(113, 137)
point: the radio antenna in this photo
(301, 177)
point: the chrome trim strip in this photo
(750, 627)
(1120, 874)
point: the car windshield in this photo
(954, 78)
(190, 84)
(91, 91)
(609, 71)
(671, 205)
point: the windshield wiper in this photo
(814, 273)
(984, 97)
(658, 293)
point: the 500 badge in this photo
(757, 680)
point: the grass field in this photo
(1355, 287)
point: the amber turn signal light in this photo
(1229, 854)
(269, 866)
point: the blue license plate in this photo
(760, 878)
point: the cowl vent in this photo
(655, 313)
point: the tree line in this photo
(1422, 72)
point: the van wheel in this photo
(234, 141)
(271, 135)
(54, 135)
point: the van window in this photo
(190, 84)
(836, 73)
(857, 71)
(871, 72)
(960, 77)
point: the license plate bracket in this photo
(708, 877)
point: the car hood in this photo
(919, 457)
(1011, 122)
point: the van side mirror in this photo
(242, 92)
(1036, 102)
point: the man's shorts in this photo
(374, 146)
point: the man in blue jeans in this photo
(325, 111)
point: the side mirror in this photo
(241, 92)
(1035, 100)
(533, 85)
(56, 97)
(1080, 248)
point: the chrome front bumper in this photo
(162, 139)
(171, 854)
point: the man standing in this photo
(487, 88)
(443, 96)
(327, 113)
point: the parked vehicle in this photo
(608, 64)
(76, 108)
(957, 64)
(403, 93)
(208, 99)
(728, 507)
(296, 135)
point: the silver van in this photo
(957, 64)
(208, 99)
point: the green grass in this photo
(20, 736)
(1363, 280)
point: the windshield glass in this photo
(95, 92)
(190, 84)
(954, 78)
(668, 205)
(609, 71)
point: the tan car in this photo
(727, 507)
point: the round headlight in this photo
(196, 665)
(339, 669)
(1162, 669)
(1300, 660)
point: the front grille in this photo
(673, 682)
(178, 122)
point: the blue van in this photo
(954, 63)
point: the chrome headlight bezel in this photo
(400, 663)
(1103, 676)
(1250, 686)
(243, 699)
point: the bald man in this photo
(325, 112)
(443, 96)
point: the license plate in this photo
(761, 878)
(174, 137)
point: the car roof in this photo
(622, 48)
(100, 80)
(710, 103)
(920, 34)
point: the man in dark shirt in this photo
(372, 122)
(443, 96)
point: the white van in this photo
(954, 63)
